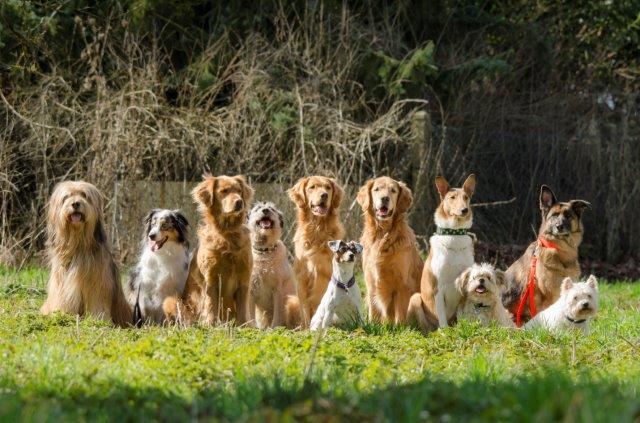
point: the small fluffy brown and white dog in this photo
(272, 279)
(562, 227)
(162, 269)
(391, 261)
(217, 287)
(450, 253)
(317, 199)
(480, 287)
(84, 278)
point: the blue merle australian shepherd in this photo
(163, 265)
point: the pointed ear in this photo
(547, 198)
(462, 281)
(359, 247)
(338, 193)
(203, 192)
(501, 278)
(334, 245)
(405, 199)
(469, 185)
(578, 206)
(442, 185)
(247, 191)
(297, 194)
(364, 195)
(592, 282)
(567, 284)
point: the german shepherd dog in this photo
(561, 230)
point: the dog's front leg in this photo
(277, 318)
(441, 310)
(242, 304)
(211, 301)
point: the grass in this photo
(62, 368)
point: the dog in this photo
(391, 260)
(341, 301)
(217, 286)
(561, 231)
(162, 269)
(480, 287)
(84, 278)
(317, 200)
(272, 281)
(450, 253)
(578, 302)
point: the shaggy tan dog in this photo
(84, 279)
(217, 288)
(391, 261)
(317, 199)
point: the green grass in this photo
(61, 368)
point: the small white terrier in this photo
(341, 301)
(481, 288)
(578, 302)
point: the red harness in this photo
(529, 291)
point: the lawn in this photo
(61, 368)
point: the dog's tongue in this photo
(481, 290)
(75, 217)
(265, 223)
(382, 211)
(321, 209)
(155, 246)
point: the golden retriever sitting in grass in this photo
(317, 199)
(217, 287)
(391, 261)
(84, 279)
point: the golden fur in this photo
(84, 279)
(317, 199)
(391, 261)
(217, 287)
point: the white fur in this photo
(337, 305)
(485, 307)
(572, 296)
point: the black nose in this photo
(465, 210)
(385, 199)
(75, 205)
(481, 281)
(239, 205)
(585, 305)
(265, 211)
(152, 236)
(350, 256)
(324, 195)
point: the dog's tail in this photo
(137, 311)
(293, 312)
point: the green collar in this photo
(447, 231)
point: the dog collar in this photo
(265, 250)
(344, 286)
(448, 231)
(574, 321)
(480, 305)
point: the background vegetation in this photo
(520, 92)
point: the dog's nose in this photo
(465, 210)
(350, 256)
(324, 195)
(385, 199)
(75, 205)
(152, 236)
(585, 305)
(481, 281)
(239, 204)
(265, 212)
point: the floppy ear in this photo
(338, 193)
(359, 248)
(567, 284)
(334, 245)
(578, 206)
(247, 191)
(203, 192)
(462, 281)
(592, 282)
(297, 194)
(469, 185)
(364, 195)
(405, 199)
(442, 185)
(281, 219)
(501, 278)
(149, 216)
(182, 220)
(95, 198)
(547, 199)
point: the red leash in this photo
(529, 291)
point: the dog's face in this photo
(345, 252)
(223, 195)
(580, 299)
(162, 226)
(456, 202)
(384, 197)
(560, 219)
(266, 222)
(75, 206)
(481, 283)
(318, 194)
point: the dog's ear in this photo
(578, 206)
(281, 219)
(501, 279)
(462, 281)
(94, 196)
(469, 185)
(99, 233)
(247, 191)
(592, 282)
(405, 198)
(442, 185)
(547, 199)
(334, 245)
(364, 195)
(567, 284)
(181, 218)
(338, 193)
(297, 193)
(149, 216)
(203, 192)
(359, 248)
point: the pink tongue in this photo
(155, 246)
(76, 217)
(383, 210)
(321, 209)
(481, 289)
(266, 224)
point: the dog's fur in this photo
(162, 269)
(317, 199)
(272, 279)
(562, 225)
(449, 256)
(217, 287)
(84, 279)
(391, 261)
(340, 304)
(481, 287)
(578, 302)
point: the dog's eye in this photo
(589, 296)
(165, 227)
(376, 189)
(312, 187)
(393, 190)
(465, 197)
(575, 297)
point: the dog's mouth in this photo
(481, 289)
(319, 209)
(76, 217)
(383, 212)
(265, 223)
(156, 245)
